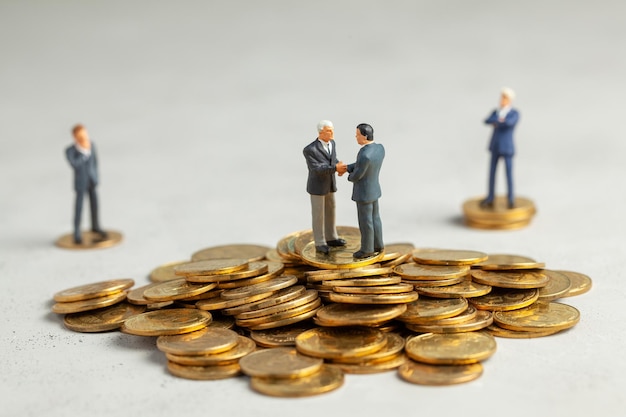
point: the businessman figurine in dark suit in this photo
(366, 191)
(321, 159)
(83, 159)
(503, 120)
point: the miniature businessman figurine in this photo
(83, 159)
(503, 120)
(321, 159)
(366, 191)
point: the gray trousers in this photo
(78, 209)
(370, 226)
(323, 214)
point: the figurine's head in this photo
(81, 137)
(325, 130)
(506, 97)
(364, 134)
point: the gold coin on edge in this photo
(580, 283)
(167, 322)
(426, 309)
(557, 287)
(94, 290)
(207, 341)
(425, 374)
(327, 379)
(102, 320)
(283, 362)
(90, 304)
(451, 349)
(249, 252)
(414, 271)
(359, 315)
(203, 373)
(538, 317)
(165, 272)
(448, 256)
(243, 347)
(331, 342)
(502, 299)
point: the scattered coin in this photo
(279, 337)
(212, 267)
(558, 285)
(511, 279)
(465, 288)
(89, 304)
(243, 347)
(359, 315)
(208, 341)
(426, 309)
(177, 289)
(95, 290)
(284, 362)
(481, 320)
(166, 322)
(498, 262)
(539, 316)
(327, 379)
(203, 372)
(333, 342)
(272, 285)
(502, 299)
(425, 374)
(415, 271)
(451, 349)
(393, 347)
(165, 272)
(498, 331)
(371, 367)
(580, 283)
(102, 320)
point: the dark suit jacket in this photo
(502, 137)
(364, 173)
(321, 166)
(85, 168)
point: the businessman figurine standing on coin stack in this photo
(366, 191)
(321, 159)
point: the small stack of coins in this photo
(91, 296)
(498, 216)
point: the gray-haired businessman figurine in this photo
(321, 159)
(83, 159)
(366, 191)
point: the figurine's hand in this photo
(341, 168)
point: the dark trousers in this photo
(370, 226)
(508, 160)
(78, 209)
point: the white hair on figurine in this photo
(322, 124)
(508, 92)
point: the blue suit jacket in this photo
(502, 138)
(85, 168)
(364, 173)
(321, 164)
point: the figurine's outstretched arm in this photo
(318, 167)
(357, 171)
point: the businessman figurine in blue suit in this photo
(503, 119)
(83, 159)
(366, 191)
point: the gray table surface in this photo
(200, 110)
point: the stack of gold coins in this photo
(207, 354)
(499, 216)
(91, 296)
(353, 349)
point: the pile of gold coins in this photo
(295, 321)
(499, 216)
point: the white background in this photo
(200, 111)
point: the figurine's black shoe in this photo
(323, 249)
(511, 204)
(360, 254)
(101, 233)
(78, 240)
(379, 250)
(336, 243)
(486, 203)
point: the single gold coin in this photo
(451, 349)
(426, 309)
(393, 347)
(102, 320)
(496, 225)
(208, 341)
(502, 299)
(580, 283)
(216, 292)
(396, 250)
(250, 253)
(425, 374)
(398, 261)
(283, 247)
(272, 285)
(359, 315)
(326, 379)
(363, 282)
(558, 285)
(307, 297)
(90, 304)
(219, 303)
(448, 256)
(283, 362)
(343, 274)
(466, 289)
(273, 256)
(538, 317)
(274, 269)
(222, 321)
(499, 262)
(332, 342)
(203, 373)
(165, 272)
(166, 322)
(91, 240)
(340, 257)
(372, 367)
(279, 337)
(437, 283)
(469, 314)
(378, 289)
(279, 297)
(135, 296)
(498, 331)
(481, 320)
(243, 347)
(523, 209)
(286, 321)
(212, 267)
(403, 298)
(416, 272)
(95, 290)
(282, 315)
(306, 236)
(177, 289)
(511, 279)
(254, 269)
